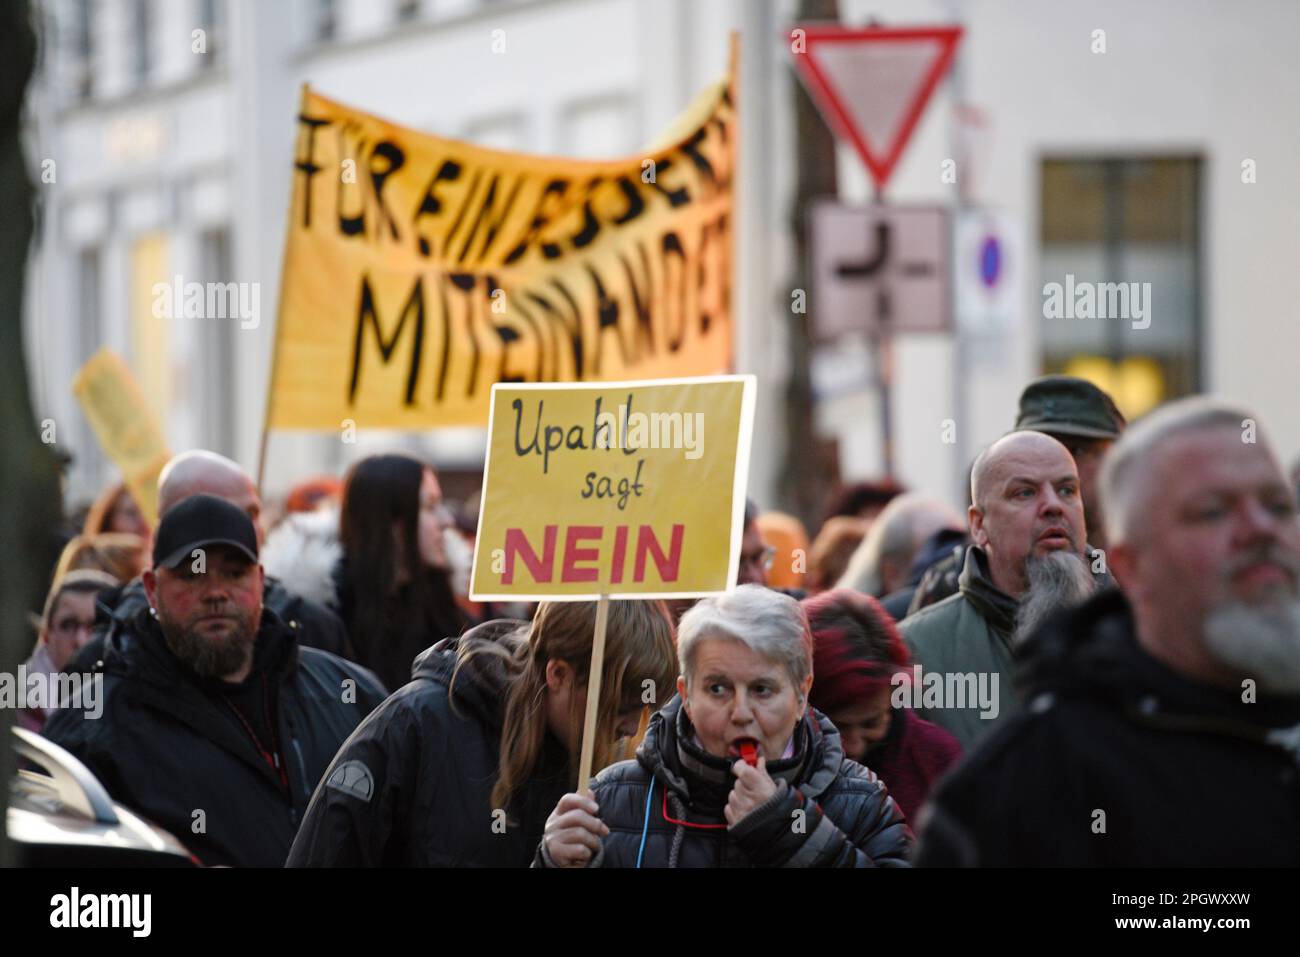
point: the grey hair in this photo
(896, 533)
(769, 622)
(1129, 459)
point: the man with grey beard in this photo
(1162, 725)
(1026, 561)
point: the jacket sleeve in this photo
(362, 805)
(788, 830)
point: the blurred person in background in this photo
(119, 554)
(829, 555)
(858, 657)
(462, 766)
(65, 626)
(883, 563)
(788, 539)
(115, 511)
(756, 555)
(864, 500)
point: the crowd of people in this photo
(1070, 673)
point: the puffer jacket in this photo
(665, 808)
(412, 786)
(1116, 760)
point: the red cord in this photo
(673, 820)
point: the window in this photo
(1120, 273)
(326, 23)
(81, 51)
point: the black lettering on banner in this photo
(553, 192)
(642, 302)
(675, 197)
(669, 245)
(590, 225)
(464, 205)
(430, 204)
(465, 282)
(572, 324)
(446, 336)
(606, 317)
(393, 156)
(517, 305)
(307, 165)
(691, 149)
(350, 225)
(368, 317)
(493, 224)
(635, 204)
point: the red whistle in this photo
(749, 753)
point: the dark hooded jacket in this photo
(665, 808)
(413, 785)
(116, 609)
(1117, 760)
(174, 747)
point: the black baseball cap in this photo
(202, 521)
(1066, 405)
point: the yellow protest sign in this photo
(419, 271)
(631, 489)
(124, 425)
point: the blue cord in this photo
(645, 828)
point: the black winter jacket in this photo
(168, 747)
(1116, 760)
(116, 610)
(412, 786)
(847, 820)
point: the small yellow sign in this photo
(626, 489)
(124, 425)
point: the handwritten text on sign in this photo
(419, 270)
(627, 488)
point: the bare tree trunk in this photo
(29, 485)
(811, 464)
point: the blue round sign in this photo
(990, 261)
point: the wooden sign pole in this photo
(593, 693)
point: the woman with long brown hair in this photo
(463, 765)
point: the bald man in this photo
(1026, 561)
(1162, 722)
(200, 472)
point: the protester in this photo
(1161, 724)
(392, 580)
(1026, 560)
(690, 799)
(119, 554)
(201, 472)
(864, 500)
(756, 555)
(321, 491)
(65, 626)
(215, 723)
(461, 767)
(788, 539)
(858, 661)
(829, 555)
(883, 561)
(911, 597)
(115, 511)
(1086, 421)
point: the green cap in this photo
(1065, 405)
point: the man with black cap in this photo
(216, 723)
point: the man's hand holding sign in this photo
(614, 490)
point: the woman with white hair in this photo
(736, 770)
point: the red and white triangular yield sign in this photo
(873, 83)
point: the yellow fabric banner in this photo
(124, 425)
(632, 489)
(419, 271)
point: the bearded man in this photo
(1152, 710)
(1027, 561)
(217, 724)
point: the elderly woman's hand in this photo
(753, 787)
(573, 831)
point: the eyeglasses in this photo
(69, 627)
(763, 558)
